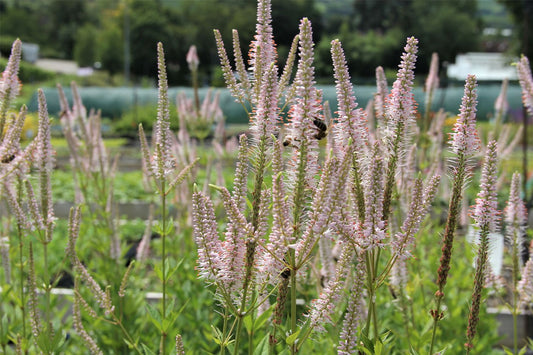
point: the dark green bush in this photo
(128, 124)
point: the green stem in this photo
(516, 272)
(435, 321)
(224, 332)
(21, 274)
(163, 259)
(46, 283)
(126, 334)
(294, 346)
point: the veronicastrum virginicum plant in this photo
(271, 244)
(33, 213)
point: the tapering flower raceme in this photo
(45, 164)
(10, 143)
(485, 213)
(103, 298)
(240, 66)
(515, 219)
(16, 209)
(355, 312)
(381, 95)
(192, 58)
(287, 71)
(432, 81)
(233, 86)
(10, 84)
(323, 307)
(525, 286)
(501, 104)
(401, 105)
(526, 82)
(163, 162)
(240, 187)
(6, 262)
(400, 112)
(265, 120)
(465, 139)
(278, 239)
(180, 350)
(420, 203)
(351, 122)
(373, 227)
(486, 217)
(323, 206)
(78, 325)
(206, 237)
(306, 109)
(262, 49)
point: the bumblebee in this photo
(8, 159)
(286, 273)
(322, 129)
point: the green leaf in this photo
(158, 271)
(171, 270)
(155, 316)
(263, 317)
(262, 347)
(147, 350)
(248, 323)
(292, 338)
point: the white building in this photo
(485, 66)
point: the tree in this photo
(522, 12)
(85, 46)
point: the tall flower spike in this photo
(515, 219)
(526, 82)
(266, 118)
(381, 95)
(45, 165)
(373, 228)
(234, 87)
(323, 307)
(525, 286)
(262, 49)
(354, 311)
(192, 58)
(206, 237)
(465, 139)
(401, 105)
(9, 85)
(78, 325)
(10, 143)
(239, 64)
(420, 203)
(486, 219)
(400, 112)
(163, 162)
(501, 105)
(432, 83)
(485, 213)
(352, 122)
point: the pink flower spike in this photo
(526, 82)
(192, 58)
(10, 84)
(485, 213)
(401, 105)
(465, 138)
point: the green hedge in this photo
(114, 102)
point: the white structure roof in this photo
(485, 66)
